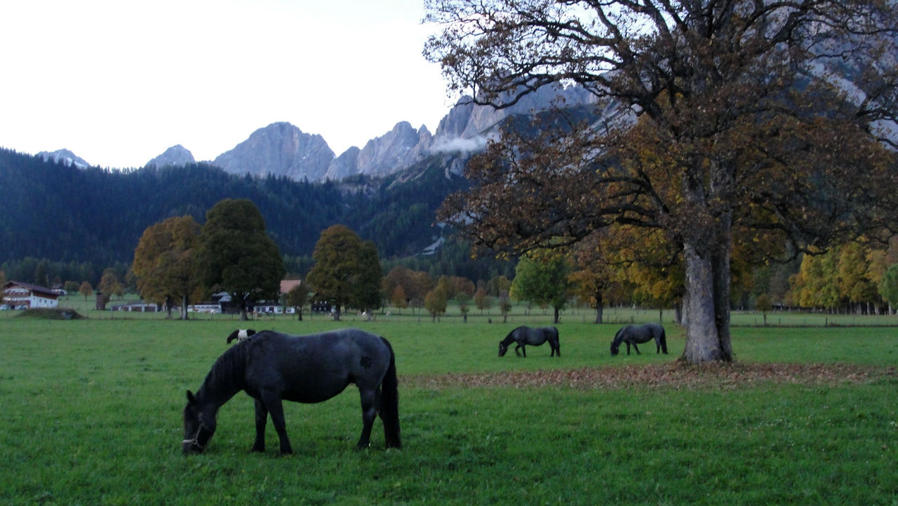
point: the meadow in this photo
(91, 414)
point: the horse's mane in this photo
(510, 337)
(618, 336)
(227, 374)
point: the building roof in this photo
(289, 284)
(43, 291)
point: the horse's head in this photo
(615, 343)
(502, 349)
(615, 347)
(199, 425)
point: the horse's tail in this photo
(663, 340)
(389, 402)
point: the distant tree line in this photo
(94, 217)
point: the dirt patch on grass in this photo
(674, 376)
(51, 314)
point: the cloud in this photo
(458, 144)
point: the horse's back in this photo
(535, 335)
(315, 367)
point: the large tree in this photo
(347, 270)
(236, 255)
(165, 262)
(730, 128)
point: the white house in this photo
(20, 295)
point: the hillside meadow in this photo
(91, 414)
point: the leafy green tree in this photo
(366, 295)
(888, 287)
(236, 255)
(165, 263)
(542, 280)
(347, 270)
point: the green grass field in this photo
(90, 412)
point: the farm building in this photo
(18, 295)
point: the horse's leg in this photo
(628, 347)
(636, 348)
(275, 407)
(517, 349)
(369, 411)
(261, 419)
(523, 350)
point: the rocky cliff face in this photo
(175, 156)
(395, 150)
(280, 149)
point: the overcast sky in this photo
(119, 81)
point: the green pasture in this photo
(90, 412)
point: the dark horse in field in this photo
(534, 337)
(271, 367)
(633, 334)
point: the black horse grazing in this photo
(271, 367)
(633, 334)
(534, 337)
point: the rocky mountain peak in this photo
(176, 156)
(395, 150)
(64, 156)
(281, 149)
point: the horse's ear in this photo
(190, 398)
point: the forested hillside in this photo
(65, 214)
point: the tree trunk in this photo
(243, 315)
(707, 307)
(600, 306)
(184, 307)
(556, 315)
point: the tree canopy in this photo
(543, 281)
(718, 124)
(236, 255)
(347, 270)
(165, 262)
